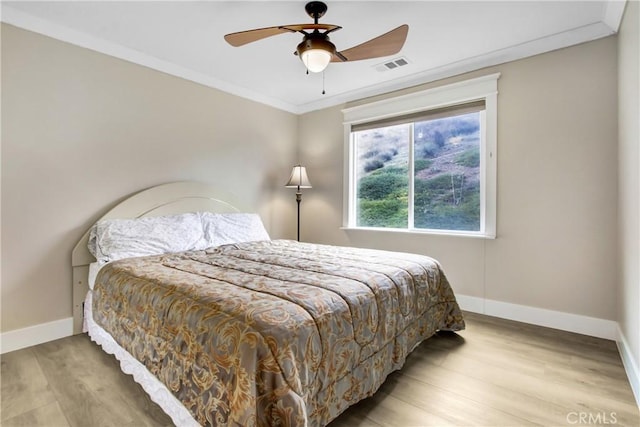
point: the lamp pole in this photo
(298, 200)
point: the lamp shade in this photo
(298, 178)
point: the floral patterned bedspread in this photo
(273, 332)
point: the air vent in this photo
(392, 65)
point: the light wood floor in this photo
(495, 373)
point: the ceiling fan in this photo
(315, 50)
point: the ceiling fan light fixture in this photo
(316, 53)
(316, 60)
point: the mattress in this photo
(272, 332)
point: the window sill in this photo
(476, 235)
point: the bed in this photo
(252, 331)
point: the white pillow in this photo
(234, 228)
(114, 239)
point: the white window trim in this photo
(485, 87)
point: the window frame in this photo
(480, 88)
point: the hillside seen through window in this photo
(438, 158)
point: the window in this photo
(424, 162)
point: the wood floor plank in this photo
(574, 395)
(446, 404)
(607, 368)
(390, 411)
(24, 385)
(568, 394)
(560, 367)
(50, 415)
(508, 400)
(89, 393)
(106, 379)
(541, 337)
(356, 416)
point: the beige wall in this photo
(82, 130)
(557, 187)
(629, 179)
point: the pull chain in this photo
(323, 82)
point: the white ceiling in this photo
(445, 38)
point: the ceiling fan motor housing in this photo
(316, 40)
(316, 51)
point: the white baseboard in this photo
(472, 304)
(600, 328)
(630, 365)
(34, 335)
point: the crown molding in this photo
(613, 12)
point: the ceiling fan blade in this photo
(243, 37)
(387, 44)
